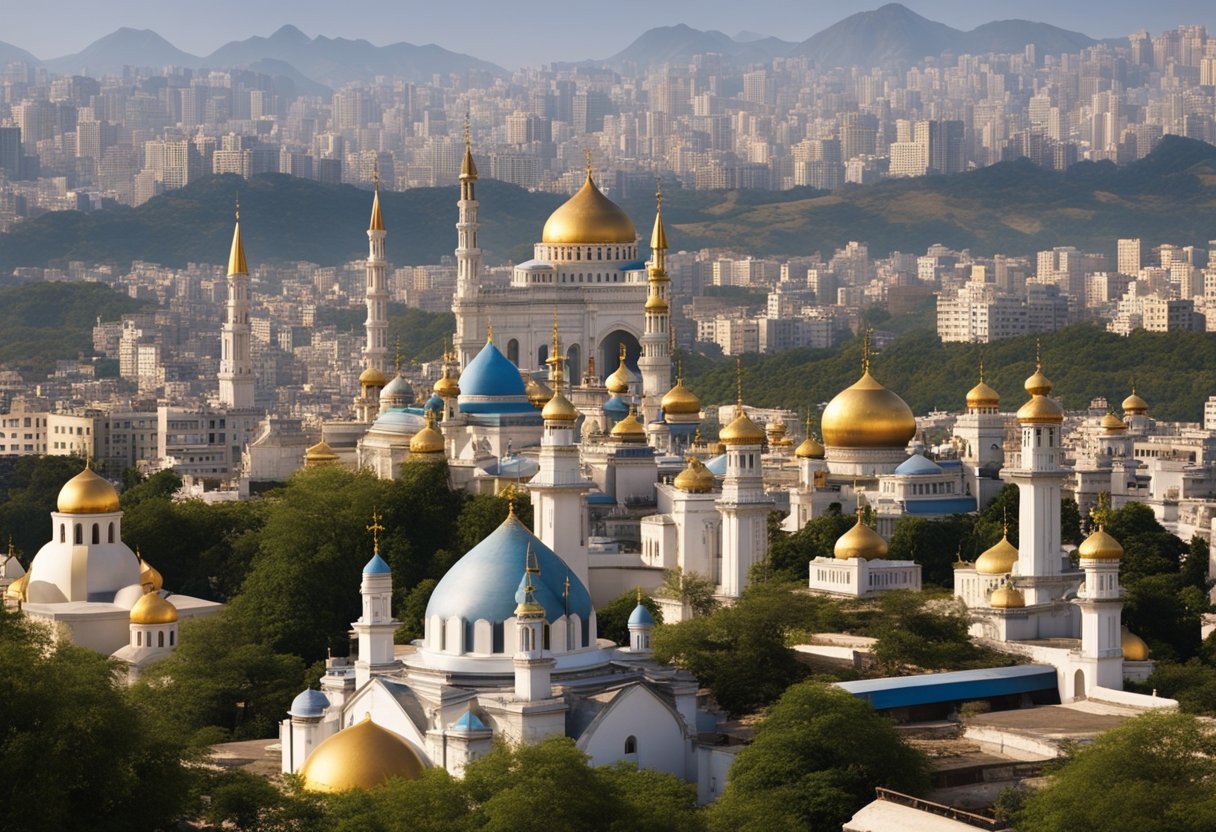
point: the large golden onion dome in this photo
(1100, 546)
(680, 401)
(559, 409)
(1134, 648)
(629, 429)
(982, 395)
(1006, 598)
(618, 382)
(149, 576)
(371, 377)
(695, 478)
(447, 387)
(589, 217)
(867, 415)
(1113, 424)
(998, 560)
(362, 756)
(88, 493)
(428, 440)
(1041, 409)
(1133, 405)
(741, 431)
(152, 609)
(860, 542)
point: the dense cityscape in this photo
(608, 517)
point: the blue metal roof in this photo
(490, 373)
(469, 723)
(309, 704)
(957, 686)
(376, 566)
(641, 617)
(616, 407)
(916, 465)
(717, 465)
(599, 498)
(940, 505)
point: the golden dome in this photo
(1041, 409)
(1100, 546)
(319, 454)
(741, 431)
(17, 590)
(680, 401)
(1006, 598)
(428, 440)
(867, 415)
(655, 303)
(1134, 648)
(695, 478)
(629, 429)
(589, 217)
(447, 387)
(998, 560)
(1133, 405)
(981, 395)
(371, 377)
(362, 756)
(809, 449)
(559, 409)
(618, 382)
(1113, 424)
(860, 542)
(538, 392)
(88, 493)
(152, 609)
(1038, 384)
(149, 576)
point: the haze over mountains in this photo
(892, 34)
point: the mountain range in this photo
(1012, 208)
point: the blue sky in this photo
(531, 32)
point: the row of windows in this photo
(78, 533)
(160, 639)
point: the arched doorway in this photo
(609, 352)
(1078, 685)
(513, 351)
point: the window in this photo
(160, 639)
(111, 534)
(79, 537)
(96, 534)
(631, 745)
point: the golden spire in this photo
(509, 493)
(375, 528)
(236, 257)
(981, 368)
(738, 385)
(490, 331)
(1101, 512)
(377, 223)
(1038, 355)
(398, 355)
(865, 352)
(658, 237)
(468, 168)
(587, 158)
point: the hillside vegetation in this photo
(44, 322)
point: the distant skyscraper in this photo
(1128, 256)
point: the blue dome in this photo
(917, 464)
(398, 421)
(376, 566)
(717, 465)
(616, 408)
(491, 373)
(483, 583)
(310, 704)
(434, 403)
(641, 617)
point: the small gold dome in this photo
(867, 415)
(447, 387)
(149, 576)
(428, 440)
(319, 454)
(809, 449)
(618, 382)
(1113, 424)
(1041, 409)
(152, 609)
(589, 217)
(1100, 546)
(998, 560)
(695, 478)
(741, 431)
(1134, 647)
(1006, 598)
(860, 542)
(362, 756)
(680, 401)
(88, 493)
(371, 377)
(1038, 384)
(629, 429)
(16, 591)
(981, 395)
(537, 391)
(559, 409)
(1133, 405)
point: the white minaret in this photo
(468, 255)
(743, 505)
(375, 351)
(375, 626)
(236, 366)
(533, 669)
(1038, 478)
(655, 361)
(981, 431)
(559, 513)
(1101, 603)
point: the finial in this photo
(1101, 511)
(1038, 355)
(238, 207)
(531, 562)
(468, 136)
(639, 588)
(587, 157)
(981, 368)
(738, 384)
(375, 528)
(11, 552)
(509, 493)
(398, 355)
(622, 352)
(658, 193)
(1005, 521)
(376, 175)
(490, 331)
(680, 370)
(865, 352)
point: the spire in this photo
(236, 257)
(587, 158)
(375, 528)
(658, 237)
(468, 168)
(738, 386)
(1038, 355)
(490, 332)
(865, 353)
(377, 223)
(398, 358)
(981, 368)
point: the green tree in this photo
(788, 555)
(693, 589)
(161, 485)
(816, 759)
(612, 619)
(915, 633)
(1153, 773)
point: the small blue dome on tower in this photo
(310, 704)
(641, 617)
(376, 566)
(434, 404)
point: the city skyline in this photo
(547, 31)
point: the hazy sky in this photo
(531, 32)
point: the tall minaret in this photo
(744, 505)
(981, 430)
(376, 625)
(655, 361)
(236, 367)
(1101, 601)
(375, 352)
(468, 255)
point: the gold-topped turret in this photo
(589, 218)
(529, 607)
(998, 559)
(810, 448)
(860, 541)
(695, 478)
(428, 440)
(981, 395)
(1041, 409)
(1100, 545)
(319, 454)
(629, 429)
(741, 430)
(618, 382)
(236, 257)
(88, 493)
(1134, 405)
(658, 237)
(468, 168)
(558, 408)
(377, 221)
(1112, 424)
(1006, 597)
(679, 400)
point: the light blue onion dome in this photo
(617, 408)
(917, 465)
(398, 389)
(492, 384)
(434, 403)
(483, 583)
(376, 566)
(641, 617)
(310, 704)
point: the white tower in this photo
(375, 626)
(560, 516)
(468, 255)
(533, 670)
(236, 366)
(641, 626)
(1101, 603)
(375, 351)
(981, 431)
(655, 361)
(744, 505)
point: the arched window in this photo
(513, 351)
(545, 636)
(139, 639)
(63, 533)
(631, 745)
(96, 533)
(160, 639)
(79, 534)
(111, 534)
(171, 639)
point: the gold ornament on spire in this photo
(236, 256)
(375, 528)
(377, 221)
(468, 168)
